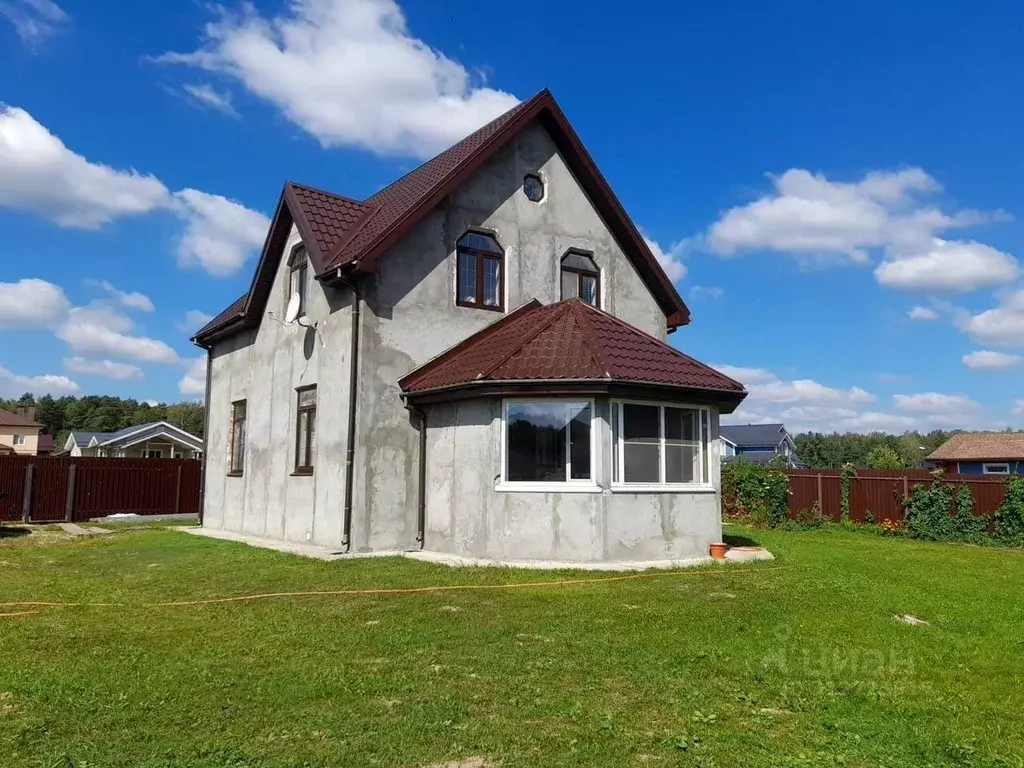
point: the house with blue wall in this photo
(758, 443)
(980, 453)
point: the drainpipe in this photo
(353, 387)
(421, 490)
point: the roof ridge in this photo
(593, 338)
(556, 316)
(667, 346)
(325, 192)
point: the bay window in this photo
(659, 445)
(548, 442)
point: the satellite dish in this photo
(294, 305)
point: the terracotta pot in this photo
(718, 550)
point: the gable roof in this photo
(743, 435)
(975, 446)
(569, 342)
(352, 235)
(86, 439)
(8, 419)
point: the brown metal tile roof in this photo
(8, 419)
(329, 218)
(973, 446)
(228, 316)
(569, 341)
(344, 233)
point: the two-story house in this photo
(472, 362)
(759, 444)
(19, 432)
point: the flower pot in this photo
(718, 550)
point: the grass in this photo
(793, 663)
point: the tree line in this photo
(102, 413)
(877, 450)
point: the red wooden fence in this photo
(42, 489)
(881, 492)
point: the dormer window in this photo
(298, 263)
(533, 187)
(581, 278)
(480, 272)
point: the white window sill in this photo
(547, 488)
(656, 488)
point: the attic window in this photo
(581, 278)
(480, 272)
(533, 187)
(299, 265)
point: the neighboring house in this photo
(759, 443)
(981, 453)
(479, 368)
(156, 440)
(46, 445)
(19, 431)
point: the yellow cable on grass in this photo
(393, 591)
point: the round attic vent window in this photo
(533, 187)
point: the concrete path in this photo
(73, 529)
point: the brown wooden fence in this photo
(880, 492)
(42, 489)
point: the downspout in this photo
(206, 435)
(421, 489)
(353, 387)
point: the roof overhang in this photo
(726, 402)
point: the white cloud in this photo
(194, 320)
(106, 368)
(205, 95)
(39, 174)
(826, 221)
(32, 303)
(923, 313)
(220, 234)
(193, 383)
(1003, 324)
(671, 260)
(934, 403)
(33, 20)
(745, 376)
(706, 291)
(987, 360)
(132, 300)
(350, 73)
(949, 266)
(13, 385)
(100, 330)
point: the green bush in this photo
(756, 491)
(884, 457)
(1009, 524)
(811, 517)
(932, 515)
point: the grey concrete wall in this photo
(411, 315)
(467, 515)
(264, 367)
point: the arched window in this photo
(480, 279)
(298, 264)
(581, 278)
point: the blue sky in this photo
(835, 192)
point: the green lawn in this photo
(792, 663)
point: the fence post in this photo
(69, 508)
(820, 502)
(906, 488)
(26, 499)
(177, 493)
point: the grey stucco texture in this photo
(410, 316)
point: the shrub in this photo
(966, 525)
(884, 457)
(931, 516)
(809, 517)
(1009, 523)
(757, 491)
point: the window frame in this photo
(481, 257)
(543, 187)
(158, 451)
(580, 274)
(300, 265)
(618, 447)
(19, 439)
(310, 410)
(233, 470)
(589, 485)
(986, 471)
